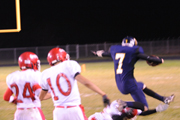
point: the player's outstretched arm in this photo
(93, 87)
(151, 60)
(101, 53)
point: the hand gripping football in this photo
(150, 63)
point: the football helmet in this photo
(129, 41)
(29, 60)
(57, 54)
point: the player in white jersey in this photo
(62, 79)
(118, 110)
(25, 87)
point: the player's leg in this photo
(22, 114)
(77, 112)
(35, 114)
(17, 114)
(155, 95)
(149, 92)
(41, 113)
(72, 113)
(119, 117)
(136, 105)
(59, 113)
(139, 96)
(27, 114)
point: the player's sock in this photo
(148, 112)
(119, 117)
(153, 94)
(136, 105)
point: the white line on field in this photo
(93, 108)
(162, 78)
(87, 95)
(99, 108)
(176, 107)
(3, 108)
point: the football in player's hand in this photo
(150, 63)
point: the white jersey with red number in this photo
(60, 79)
(25, 85)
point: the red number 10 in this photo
(65, 93)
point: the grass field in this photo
(164, 79)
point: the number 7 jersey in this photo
(124, 58)
(60, 80)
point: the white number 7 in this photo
(119, 56)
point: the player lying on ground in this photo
(118, 110)
(125, 57)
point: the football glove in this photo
(98, 53)
(106, 100)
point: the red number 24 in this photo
(28, 88)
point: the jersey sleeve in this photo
(7, 94)
(150, 58)
(9, 81)
(36, 87)
(43, 83)
(8, 78)
(74, 68)
(139, 50)
(106, 54)
(142, 55)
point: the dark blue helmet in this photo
(129, 41)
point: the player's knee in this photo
(144, 86)
(141, 85)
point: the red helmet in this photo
(29, 60)
(57, 54)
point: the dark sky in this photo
(57, 22)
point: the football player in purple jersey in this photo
(125, 57)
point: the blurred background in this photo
(62, 22)
(82, 26)
(167, 49)
(79, 27)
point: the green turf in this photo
(164, 79)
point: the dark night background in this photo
(61, 22)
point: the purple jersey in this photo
(124, 60)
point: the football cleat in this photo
(169, 99)
(129, 41)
